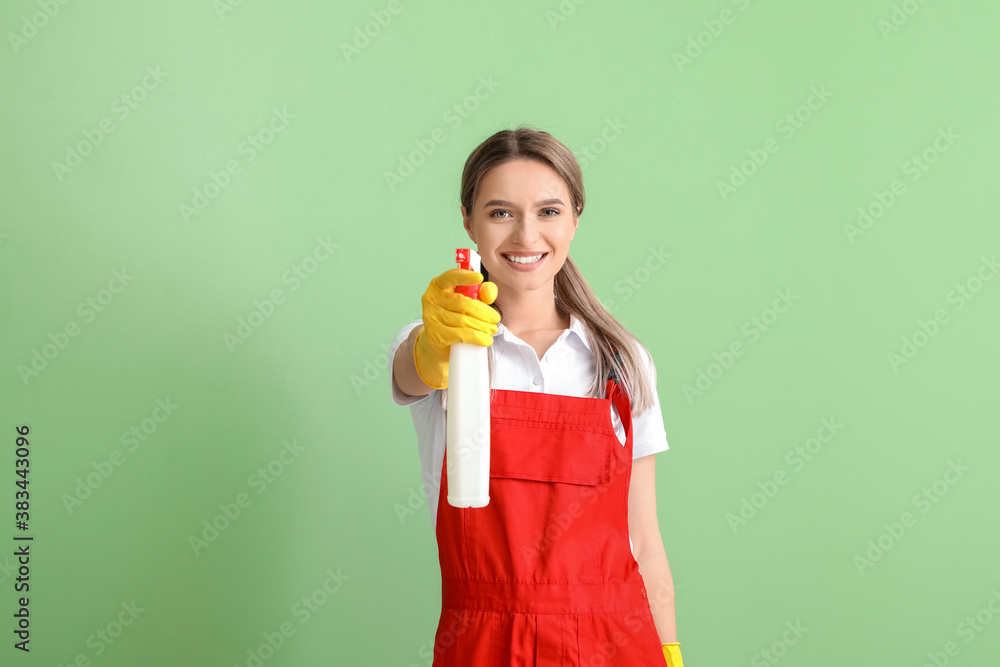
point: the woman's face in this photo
(524, 209)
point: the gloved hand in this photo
(451, 318)
(672, 654)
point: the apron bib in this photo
(544, 576)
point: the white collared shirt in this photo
(567, 368)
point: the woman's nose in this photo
(524, 232)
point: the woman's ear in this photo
(467, 223)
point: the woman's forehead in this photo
(523, 182)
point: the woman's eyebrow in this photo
(504, 202)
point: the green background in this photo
(314, 371)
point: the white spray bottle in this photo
(468, 411)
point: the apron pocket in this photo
(556, 454)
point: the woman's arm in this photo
(404, 369)
(647, 546)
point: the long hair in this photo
(572, 293)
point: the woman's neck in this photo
(530, 310)
(533, 319)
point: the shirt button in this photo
(537, 380)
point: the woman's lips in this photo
(526, 267)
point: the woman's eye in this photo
(546, 213)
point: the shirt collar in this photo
(576, 326)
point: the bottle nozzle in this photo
(468, 259)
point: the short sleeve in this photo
(648, 434)
(398, 397)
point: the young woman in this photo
(565, 566)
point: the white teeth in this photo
(525, 260)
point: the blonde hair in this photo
(572, 293)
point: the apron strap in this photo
(614, 390)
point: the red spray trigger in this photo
(468, 259)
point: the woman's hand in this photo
(451, 318)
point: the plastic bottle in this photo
(468, 412)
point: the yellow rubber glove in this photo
(451, 318)
(672, 654)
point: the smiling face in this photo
(523, 209)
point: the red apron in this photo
(544, 576)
